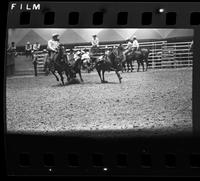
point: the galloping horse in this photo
(109, 62)
(140, 56)
(59, 63)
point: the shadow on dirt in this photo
(76, 81)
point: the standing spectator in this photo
(36, 48)
(28, 49)
(12, 48)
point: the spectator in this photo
(28, 49)
(36, 47)
(12, 47)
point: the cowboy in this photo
(53, 45)
(28, 49)
(95, 41)
(135, 44)
(128, 47)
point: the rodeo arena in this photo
(134, 81)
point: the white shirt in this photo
(85, 56)
(135, 44)
(76, 56)
(95, 42)
(36, 47)
(129, 45)
(28, 47)
(53, 45)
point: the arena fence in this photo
(162, 54)
(41, 56)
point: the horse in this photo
(109, 62)
(60, 64)
(140, 56)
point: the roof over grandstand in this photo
(84, 35)
(109, 35)
(70, 36)
(31, 37)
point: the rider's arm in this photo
(97, 41)
(92, 42)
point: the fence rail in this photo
(162, 54)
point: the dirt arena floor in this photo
(157, 102)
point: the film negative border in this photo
(140, 156)
(117, 14)
(82, 156)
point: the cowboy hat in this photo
(134, 37)
(55, 34)
(94, 35)
(28, 42)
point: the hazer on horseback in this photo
(135, 44)
(95, 44)
(134, 52)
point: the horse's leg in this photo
(142, 63)
(131, 64)
(127, 66)
(53, 72)
(61, 77)
(123, 67)
(67, 75)
(119, 76)
(146, 61)
(138, 62)
(99, 72)
(103, 72)
(79, 72)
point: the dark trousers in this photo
(28, 53)
(35, 67)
